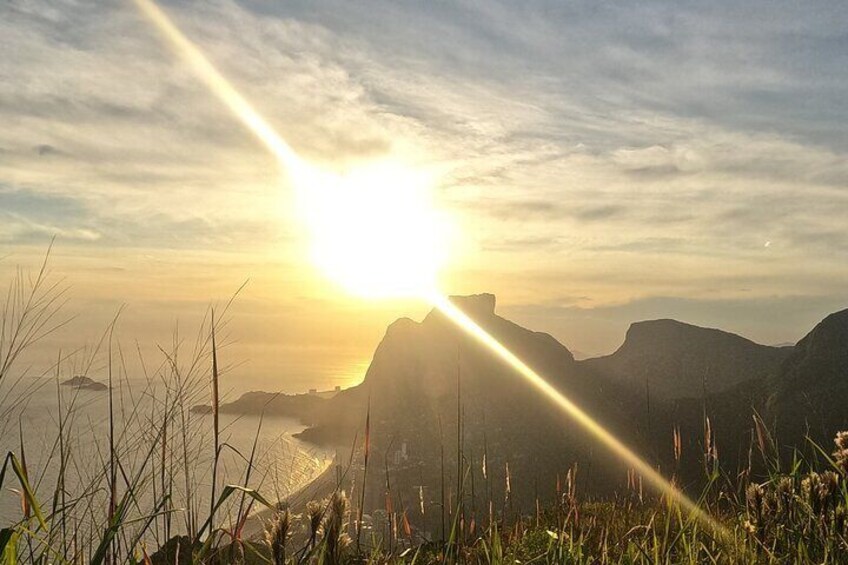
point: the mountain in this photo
(296, 406)
(435, 397)
(81, 382)
(426, 358)
(673, 360)
(809, 395)
(418, 365)
(427, 376)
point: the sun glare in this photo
(374, 230)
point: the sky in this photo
(602, 163)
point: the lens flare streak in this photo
(221, 87)
(621, 451)
(373, 228)
(297, 168)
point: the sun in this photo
(374, 230)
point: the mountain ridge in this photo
(679, 360)
(428, 376)
(804, 395)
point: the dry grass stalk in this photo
(277, 536)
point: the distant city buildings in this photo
(400, 455)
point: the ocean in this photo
(30, 419)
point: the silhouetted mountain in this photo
(297, 406)
(677, 360)
(426, 377)
(809, 395)
(425, 357)
(424, 374)
(82, 382)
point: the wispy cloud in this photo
(609, 152)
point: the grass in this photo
(137, 496)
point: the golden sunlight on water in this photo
(354, 374)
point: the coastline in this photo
(317, 489)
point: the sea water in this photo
(281, 464)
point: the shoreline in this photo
(318, 488)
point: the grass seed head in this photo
(277, 536)
(840, 455)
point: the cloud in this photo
(46, 150)
(607, 152)
(28, 217)
(657, 160)
(597, 213)
(520, 244)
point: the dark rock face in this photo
(420, 363)
(425, 377)
(425, 374)
(476, 305)
(419, 370)
(297, 406)
(809, 395)
(677, 360)
(84, 383)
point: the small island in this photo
(81, 382)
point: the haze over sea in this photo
(284, 464)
